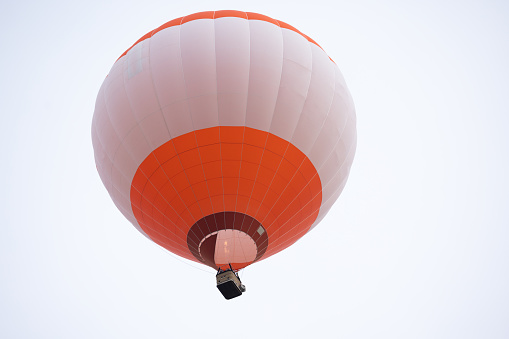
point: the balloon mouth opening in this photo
(229, 246)
(224, 238)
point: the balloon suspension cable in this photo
(185, 262)
(229, 268)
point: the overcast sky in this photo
(416, 246)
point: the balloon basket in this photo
(229, 284)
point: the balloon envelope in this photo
(224, 136)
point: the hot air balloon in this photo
(224, 137)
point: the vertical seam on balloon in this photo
(203, 168)
(153, 146)
(287, 146)
(184, 172)
(321, 128)
(218, 128)
(273, 112)
(324, 120)
(337, 141)
(104, 148)
(98, 165)
(243, 136)
(352, 146)
(128, 198)
(218, 122)
(131, 110)
(194, 132)
(279, 165)
(192, 124)
(171, 139)
(116, 150)
(245, 116)
(271, 120)
(318, 135)
(120, 145)
(112, 186)
(155, 90)
(146, 139)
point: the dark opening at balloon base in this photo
(229, 284)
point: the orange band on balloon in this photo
(227, 168)
(217, 15)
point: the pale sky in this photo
(415, 247)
